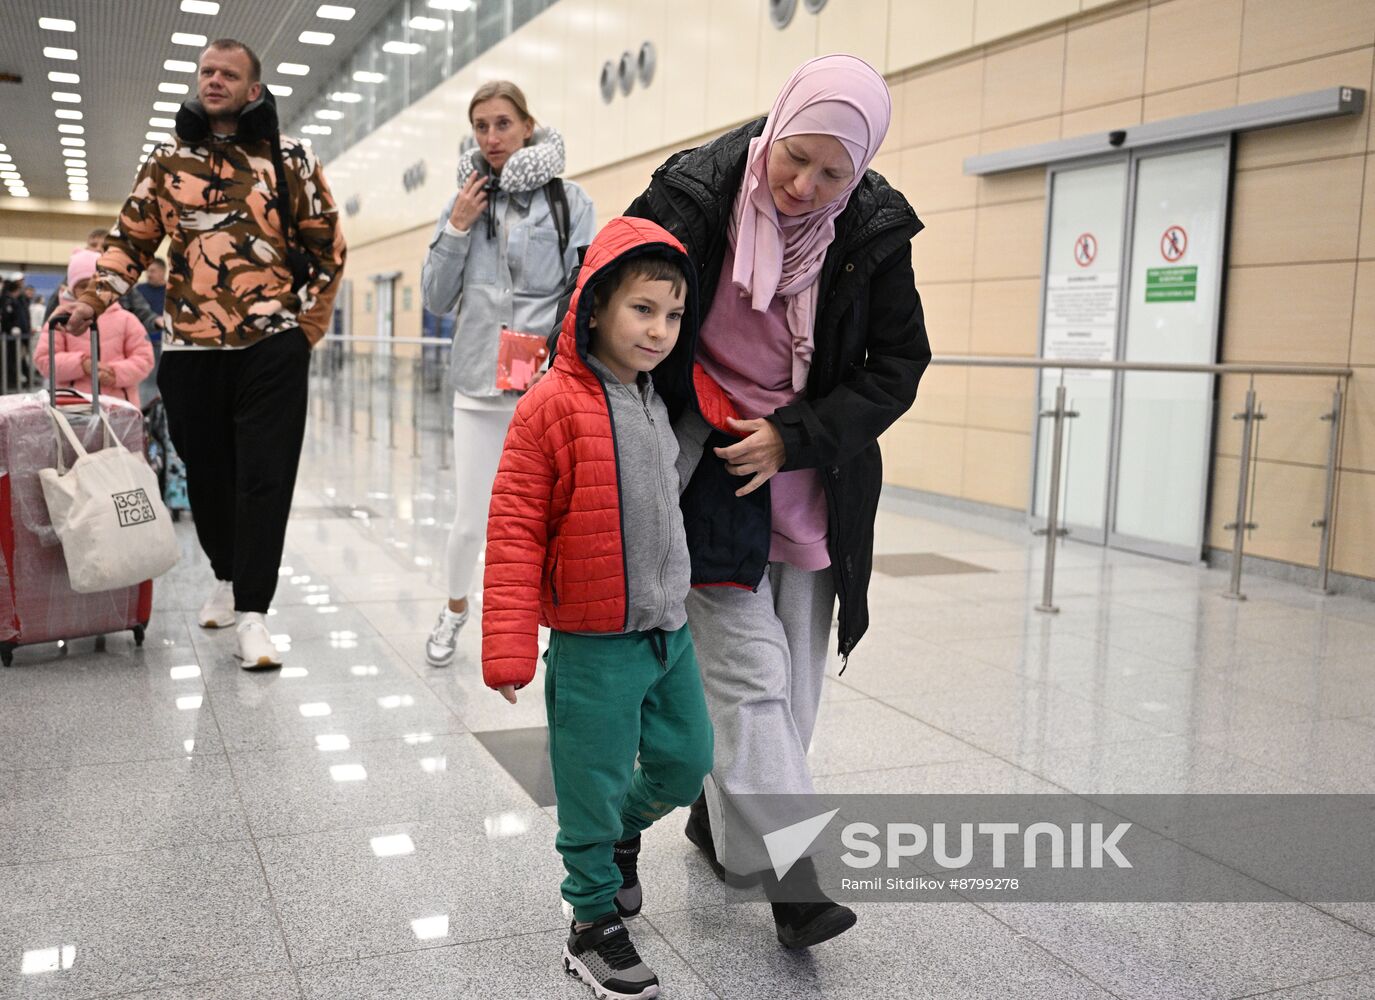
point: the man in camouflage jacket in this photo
(235, 365)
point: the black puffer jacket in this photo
(870, 352)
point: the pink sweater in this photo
(750, 355)
(124, 346)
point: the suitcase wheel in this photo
(138, 635)
(7, 655)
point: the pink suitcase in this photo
(37, 603)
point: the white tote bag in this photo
(108, 513)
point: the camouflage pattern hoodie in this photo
(228, 282)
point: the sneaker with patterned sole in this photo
(443, 640)
(603, 956)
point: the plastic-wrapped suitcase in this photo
(37, 603)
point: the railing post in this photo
(417, 401)
(372, 424)
(1240, 526)
(353, 389)
(5, 340)
(391, 398)
(1330, 491)
(1052, 530)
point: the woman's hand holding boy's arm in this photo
(761, 454)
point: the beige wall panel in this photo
(1002, 399)
(996, 140)
(921, 456)
(1288, 499)
(609, 120)
(1291, 431)
(731, 71)
(1191, 41)
(994, 19)
(1310, 140)
(933, 176)
(644, 108)
(997, 467)
(941, 104)
(942, 396)
(1307, 211)
(947, 310)
(1105, 61)
(1016, 185)
(781, 52)
(920, 32)
(1354, 543)
(545, 62)
(1367, 243)
(1122, 114)
(859, 27)
(1190, 100)
(1005, 317)
(1010, 240)
(1363, 321)
(684, 49)
(1279, 31)
(1358, 438)
(944, 250)
(582, 63)
(14, 250)
(1290, 314)
(1024, 82)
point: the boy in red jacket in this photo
(585, 536)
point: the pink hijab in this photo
(838, 95)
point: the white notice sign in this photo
(1081, 319)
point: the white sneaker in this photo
(218, 609)
(439, 648)
(255, 646)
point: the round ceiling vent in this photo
(814, 5)
(625, 72)
(607, 83)
(781, 12)
(648, 62)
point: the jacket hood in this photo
(258, 120)
(619, 240)
(528, 169)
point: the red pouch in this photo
(519, 357)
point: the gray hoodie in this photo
(658, 571)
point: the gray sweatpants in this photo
(763, 659)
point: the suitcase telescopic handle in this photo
(94, 333)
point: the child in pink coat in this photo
(126, 355)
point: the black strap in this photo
(558, 208)
(283, 199)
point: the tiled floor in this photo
(173, 828)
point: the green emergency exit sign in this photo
(1171, 284)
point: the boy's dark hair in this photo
(97, 234)
(232, 45)
(159, 262)
(648, 267)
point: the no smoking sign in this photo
(1173, 243)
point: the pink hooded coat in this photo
(124, 345)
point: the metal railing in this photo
(1250, 415)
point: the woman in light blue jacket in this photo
(502, 251)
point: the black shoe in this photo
(801, 925)
(604, 958)
(629, 898)
(698, 831)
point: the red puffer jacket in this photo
(555, 553)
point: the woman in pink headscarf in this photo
(812, 325)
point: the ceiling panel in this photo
(121, 46)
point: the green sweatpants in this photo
(610, 698)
